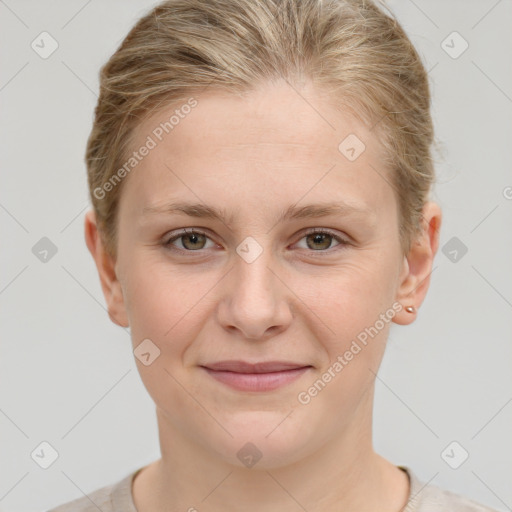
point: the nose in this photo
(255, 303)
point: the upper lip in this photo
(261, 367)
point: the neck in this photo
(342, 473)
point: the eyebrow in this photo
(200, 210)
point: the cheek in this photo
(349, 298)
(158, 297)
(163, 308)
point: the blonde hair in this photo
(349, 48)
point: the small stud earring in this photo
(410, 309)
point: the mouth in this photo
(259, 377)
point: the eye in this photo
(320, 240)
(191, 240)
(195, 240)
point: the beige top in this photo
(117, 497)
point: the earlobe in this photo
(105, 265)
(417, 266)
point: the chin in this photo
(264, 439)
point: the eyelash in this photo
(312, 231)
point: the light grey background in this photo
(67, 373)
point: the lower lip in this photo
(257, 381)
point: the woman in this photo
(260, 175)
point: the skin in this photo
(298, 302)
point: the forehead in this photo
(273, 144)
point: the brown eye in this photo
(321, 240)
(191, 241)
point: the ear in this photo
(417, 265)
(106, 269)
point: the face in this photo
(276, 278)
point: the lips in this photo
(259, 377)
(261, 367)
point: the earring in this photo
(410, 309)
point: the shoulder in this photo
(110, 498)
(98, 499)
(430, 498)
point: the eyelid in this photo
(334, 234)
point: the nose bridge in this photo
(255, 301)
(253, 278)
